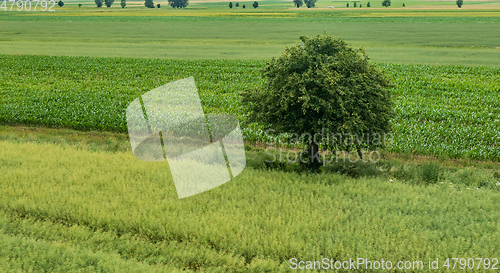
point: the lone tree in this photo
(178, 3)
(98, 3)
(255, 4)
(79, 5)
(109, 3)
(123, 3)
(323, 84)
(230, 5)
(243, 6)
(149, 4)
(460, 3)
(237, 5)
(298, 3)
(354, 5)
(60, 3)
(368, 5)
(347, 5)
(310, 3)
(386, 3)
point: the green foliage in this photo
(79, 5)
(353, 169)
(354, 4)
(158, 5)
(255, 4)
(470, 178)
(178, 3)
(386, 3)
(230, 5)
(404, 5)
(310, 3)
(323, 84)
(108, 3)
(459, 3)
(347, 5)
(123, 3)
(149, 3)
(237, 4)
(430, 172)
(298, 3)
(60, 3)
(98, 3)
(368, 4)
(243, 6)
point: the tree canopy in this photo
(310, 3)
(323, 84)
(178, 3)
(298, 3)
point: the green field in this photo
(74, 199)
(467, 37)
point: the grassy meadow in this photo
(74, 198)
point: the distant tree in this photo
(79, 5)
(404, 5)
(354, 4)
(368, 5)
(149, 4)
(243, 6)
(386, 3)
(255, 4)
(178, 3)
(347, 5)
(237, 5)
(460, 3)
(298, 3)
(360, 6)
(230, 5)
(98, 3)
(108, 3)
(158, 5)
(310, 3)
(60, 3)
(123, 3)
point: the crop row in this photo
(440, 110)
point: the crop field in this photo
(441, 111)
(73, 198)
